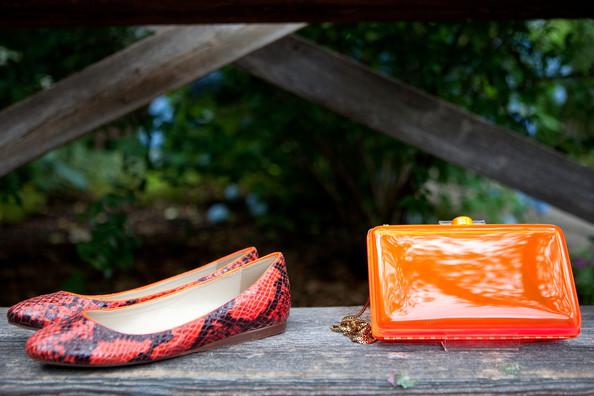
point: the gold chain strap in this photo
(355, 328)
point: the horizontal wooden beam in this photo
(424, 121)
(141, 12)
(309, 359)
(121, 83)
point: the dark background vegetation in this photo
(229, 161)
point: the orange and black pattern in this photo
(41, 311)
(81, 341)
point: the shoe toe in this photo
(79, 341)
(29, 313)
(67, 342)
(41, 346)
(38, 312)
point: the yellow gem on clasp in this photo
(462, 220)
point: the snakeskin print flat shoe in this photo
(40, 311)
(246, 303)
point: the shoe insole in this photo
(173, 282)
(184, 306)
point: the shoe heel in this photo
(251, 335)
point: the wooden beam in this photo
(309, 359)
(121, 83)
(141, 12)
(424, 121)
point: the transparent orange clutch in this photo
(468, 281)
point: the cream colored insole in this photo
(184, 306)
(174, 282)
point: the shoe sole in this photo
(246, 336)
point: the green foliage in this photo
(583, 271)
(15, 207)
(112, 243)
(302, 170)
(345, 173)
(325, 170)
(33, 59)
(584, 281)
(10, 188)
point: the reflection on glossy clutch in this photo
(465, 280)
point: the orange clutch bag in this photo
(467, 281)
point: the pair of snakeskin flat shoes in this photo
(237, 298)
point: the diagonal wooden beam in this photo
(121, 83)
(131, 78)
(135, 12)
(424, 121)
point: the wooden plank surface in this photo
(424, 121)
(134, 12)
(309, 358)
(121, 83)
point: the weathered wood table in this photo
(308, 358)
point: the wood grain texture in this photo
(309, 358)
(424, 121)
(134, 12)
(121, 83)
